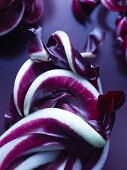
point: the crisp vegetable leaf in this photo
(115, 5)
(83, 8)
(13, 11)
(58, 118)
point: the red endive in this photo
(12, 12)
(115, 5)
(63, 119)
(82, 8)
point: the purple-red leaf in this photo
(121, 30)
(115, 5)
(33, 10)
(95, 38)
(13, 11)
(107, 105)
(61, 53)
(50, 130)
(11, 17)
(82, 8)
(66, 121)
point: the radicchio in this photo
(13, 11)
(63, 120)
(121, 32)
(121, 21)
(82, 8)
(115, 5)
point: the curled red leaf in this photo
(83, 8)
(13, 11)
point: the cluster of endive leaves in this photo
(12, 12)
(82, 8)
(58, 117)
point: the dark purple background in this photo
(113, 67)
